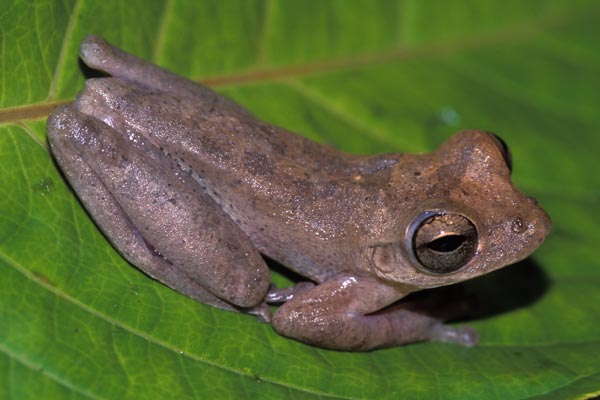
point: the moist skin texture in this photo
(192, 189)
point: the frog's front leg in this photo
(156, 215)
(342, 314)
(282, 295)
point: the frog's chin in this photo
(415, 279)
(412, 281)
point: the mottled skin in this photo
(192, 189)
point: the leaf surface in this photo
(76, 321)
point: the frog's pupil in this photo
(447, 244)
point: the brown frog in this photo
(193, 189)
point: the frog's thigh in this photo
(129, 191)
(114, 223)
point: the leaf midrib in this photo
(257, 75)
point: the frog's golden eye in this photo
(441, 243)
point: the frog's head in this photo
(457, 215)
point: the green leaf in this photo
(76, 321)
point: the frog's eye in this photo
(441, 243)
(504, 150)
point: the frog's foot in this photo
(282, 295)
(262, 312)
(465, 335)
(98, 54)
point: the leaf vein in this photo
(27, 179)
(32, 135)
(261, 48)
(63, 50)
(186, 377)
(44, 371)
(149, 339)
(162, 31)
(338, 112)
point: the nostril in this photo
(518, 226)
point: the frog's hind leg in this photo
(98, 54)
(71, 134)
(348, 312)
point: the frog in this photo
(197, 192)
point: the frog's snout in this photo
(535, 227)
(544, 224)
